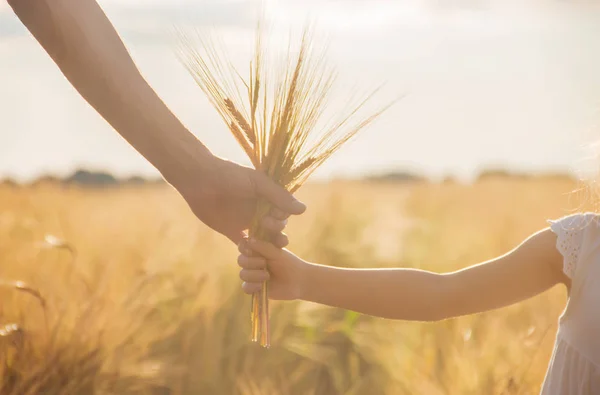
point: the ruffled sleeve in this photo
(570, 232)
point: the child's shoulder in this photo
(575, 221)
(577, 235)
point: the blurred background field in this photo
(113, 287)
(125, 292)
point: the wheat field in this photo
(121, 290)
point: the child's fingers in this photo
(254, 276)
(252, 263)
(265, 249)
(243, 247)
(251, 288)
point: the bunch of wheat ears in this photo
(277, 118)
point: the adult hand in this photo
(224, 195)
(85, 46)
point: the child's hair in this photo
(587, 191)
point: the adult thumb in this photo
(277, 195)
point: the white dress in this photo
(575, 365)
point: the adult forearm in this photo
(405, 294)
(85, 46)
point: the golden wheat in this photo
(282, 138)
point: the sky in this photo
(486, 83)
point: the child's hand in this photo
(285, 275)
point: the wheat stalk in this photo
(283, 134)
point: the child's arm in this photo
(410, 294)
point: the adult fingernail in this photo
(298, 206)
